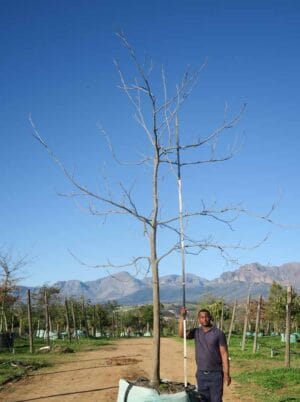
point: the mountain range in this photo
(127, 289)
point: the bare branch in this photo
(198, 247)
(109, 264)
(113, 153)
(79, 186)
(211, 213)
(140, 69)
(211, 136)
(136, 104)
(198, 162)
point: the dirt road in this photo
(93, 376)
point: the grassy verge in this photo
(261, 376)
(18, 362)
(272, 385)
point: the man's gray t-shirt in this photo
(207, 348)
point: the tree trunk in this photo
(47, 326)
(74, 321)
(12, 326)
(94, 321)
(246, 322)
(155, 376)
(100, 321)
(222, 317)
(85, 323)
(5, 321)
(288, 327)
(68, 320)
(231, 322)
(257, 322)
(20, 326)
(29, 313)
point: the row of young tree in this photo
(51, 312)
(46, 312)
(272, 312)
(279, 314)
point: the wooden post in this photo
(5, 321)
(257, 322)
(20, 326)
(75, 334)
(94, 321)
(246, 322)
(68, 320)
(231, 322)
(288, 327)
(47, 326)
(30, 329)
(222, 316)
(113, 324)
(100, 321)
(85, 322)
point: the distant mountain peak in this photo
(127, 289)
(256, 273)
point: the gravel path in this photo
(93, 376)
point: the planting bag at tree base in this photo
(134, 393)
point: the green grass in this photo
(279, 384)
(260, 376)
(271, 379)
(18, 362)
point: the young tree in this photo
(47, 303)
(156, 113)
(276, 307)
(10, 268)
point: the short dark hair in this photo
(204, 310)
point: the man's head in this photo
(204, 318)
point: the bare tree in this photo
(10, 268)
(231, 322)
(257, 323)
(246, 322)
(288, 327)
(30, 327)
(156, 112)
(68, 329)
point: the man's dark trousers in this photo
(210, 385)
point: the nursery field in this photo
(92, 371)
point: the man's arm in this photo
(225, 363)
(183, 312)
(180, 327)
(189, 333)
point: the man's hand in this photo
(183, 312)
(227, 379)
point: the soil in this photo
(93, 376)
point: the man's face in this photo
(204, 319)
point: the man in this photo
(211, 356)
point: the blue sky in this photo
(57, 64)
